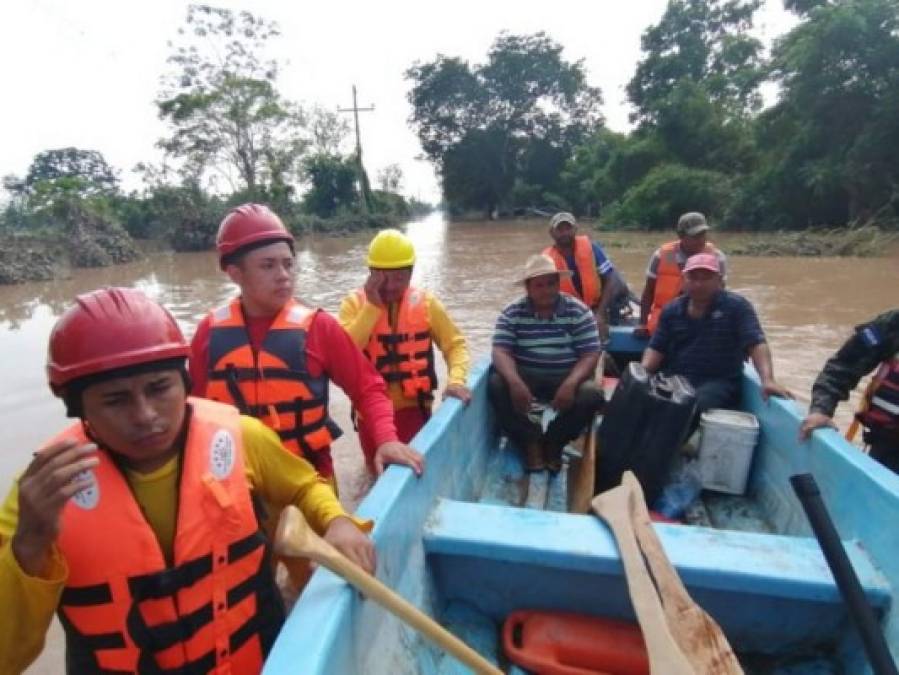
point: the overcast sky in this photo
(85, 73)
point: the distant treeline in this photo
(523, 131)
(232, 138)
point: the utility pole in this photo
(363, 177)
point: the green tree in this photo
(328, 131)
(88, 166)
(524, 95)
(668, 191)
(56, 179)
(332, 181)
(834, 134)
(227, 118)
(706, 42)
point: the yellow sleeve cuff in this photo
(362, 524)
(55, 574)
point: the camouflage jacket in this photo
(870, 345)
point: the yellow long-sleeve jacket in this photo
(359, 317)
(275, 475)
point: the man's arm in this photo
(505, 365)
(454, 347)
(761, 359)
(198, 363)
(611, 286)
(358, 318)
(583, 369)
(32, 570)
(652, 359)
(858, 356)
(281, 478)
(649, 291)
(649, 288)
(347, 366)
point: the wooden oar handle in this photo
(372, 588)
(665, 656)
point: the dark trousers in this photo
(715, 394)
(567, 426)
(884, 447)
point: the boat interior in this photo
(475, 539)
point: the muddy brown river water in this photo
(807, 307)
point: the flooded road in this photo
(807, 307)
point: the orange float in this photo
(560, 643)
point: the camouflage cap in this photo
(559, 218)
(691, 224)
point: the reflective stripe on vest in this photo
(405, 353)
(273, 385)
(669, 280)
(215, 609)
(585, 261)
(882, 399)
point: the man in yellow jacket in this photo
(397, 325)
(138, 523)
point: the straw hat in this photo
(537, 266)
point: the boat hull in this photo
(470, 563)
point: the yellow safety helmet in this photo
(391, 250)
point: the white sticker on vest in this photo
(87, 498)
(221, 454)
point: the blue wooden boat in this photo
(450, 543)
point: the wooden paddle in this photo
(697, 633)
(585, 482)
(665, 657)
(294, 538)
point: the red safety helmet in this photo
(248, 224)
(109, 329)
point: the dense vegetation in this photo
(232, 138)
(522, 130)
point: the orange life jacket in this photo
(669, 280)
(273, 385)
(215, 609)
(404, 352)
(585, 261)
(880, 409)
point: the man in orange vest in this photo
(664, 275)
(874, 344)
(397, 326)
(137, 523)
(273, 357)
(592, 280)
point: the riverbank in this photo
(857, 242)
(85, 242)
(54, 253)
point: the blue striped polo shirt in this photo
(548, 346)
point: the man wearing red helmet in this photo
(138, 522)
(273, 357)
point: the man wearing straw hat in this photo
(545, 350)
